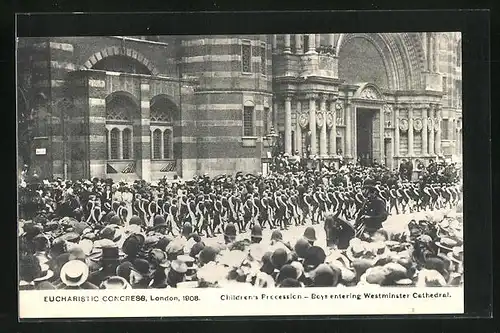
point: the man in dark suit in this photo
(373, 213)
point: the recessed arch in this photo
(163, 109)
(119, 51)
(121, 105)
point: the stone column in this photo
(333, 130)
(275, 44)
(298, 44)
(288, 124)
(434, 54)
(312, 123)
(275, 113)
(162, 144)
(410, 131)
(348, 131)
(323, 147)
(438, 132)
(108, 134)
(287, 49)
(120, 144)
(425, 133)
(431, 133)
(382, 136)
(311, 48)
(317, 40)
(142, 139)
(298, 129)
(396, 131)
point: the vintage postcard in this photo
(231, 175)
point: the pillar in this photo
(333, 130)
(323, 148)
(317, 40)
(275, 44)
(438, 132)
(348, 131)
(162, 144)
(312, 123)
(287, 48)
(120, 144)
(431, 133)
(288, 124)
(410, 131)
(434, 54)
(382, 136)
(425, 132)
(298, 129)
(298, 44)
(311, 48)
(108, 133)
(142, 135)
(396, 132)
(275, 113)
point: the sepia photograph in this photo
(148, 164)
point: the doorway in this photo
(364, 136)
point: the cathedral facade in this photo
(152, 107)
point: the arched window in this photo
(114, 143)
(248, 119)
(121, 108)
(167, 143)
(157, 144)
(163, 113)
(126, 143)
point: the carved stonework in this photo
(430, 124)
(436, 124)
(459, 124)
(403, 125)
(417, 124)
(338, 134)
(303, 120)
(387, 134)
(369, 93)
(329, 119)
(320, 119)
(339, 113)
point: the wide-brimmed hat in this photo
(456, 254)
(74, 273)
(111, 232)
(446, 244)
(179, 266)
(108, 253)
(115, 282)
(45, 273)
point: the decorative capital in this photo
(339, 106)
(430, 124)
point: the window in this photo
(248, 121)
(263, 62)
(114, 138)
(157, 144)
(246, 57)
(126, 143)
(445, 84)
(445, 124)
(167, 143)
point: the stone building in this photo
(148, 107)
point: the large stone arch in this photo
(402, 54)
(119, 51)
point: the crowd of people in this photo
(211, 232)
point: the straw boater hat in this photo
(45, 273)
(115, 282)
(74, 273)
